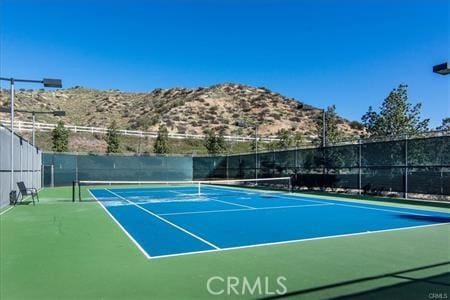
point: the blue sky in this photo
(350, 53)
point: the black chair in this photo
(24, 191)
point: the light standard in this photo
(324, 122)
(53, 83)
(254, 125)
(443, 69)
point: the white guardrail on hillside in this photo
(28, 126)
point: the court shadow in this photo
(434, 219)
(415, 288)
(425, 288)
(87, 200)
(412, 288)
(26, 202)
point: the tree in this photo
(210, 141)
(445, 124)
(112, 139)
(60, 138)
(284, 139)
(162, 141)
(332, 133)
(272, 146)
(254, 145)
(222, 144)
(396, 117)
(215, 144)
(298, 139)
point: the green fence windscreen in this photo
(70, 167)
(420, 165)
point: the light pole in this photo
(324, 122)
(324, 127)
(254, 125)
(53, 83)
(256, 151)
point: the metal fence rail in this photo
(45, 127)
(27, 164)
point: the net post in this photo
(79, 191)
(73, 190)
(198, 188)
(290, 184)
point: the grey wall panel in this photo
(27, 164)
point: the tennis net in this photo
(193, 190)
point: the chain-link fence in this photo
(418, 166)
(64, 168)
(406, 166)
(26, 164)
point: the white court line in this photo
(231, 203)
(299, 240)
(383, 209)
(243, 209)
(185, 194)
(6, 210)
(121, 227)
(281, 242)
(293, 197)
(364, 207)
(166, 221)
(271, 193)
(210, 198)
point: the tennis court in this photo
(192, 218)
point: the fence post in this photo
(359, 167)
(296, 161)
(324, 167)
(227, 165)
(272, 163)
(406, 168)
(52, 180)
(21, 158)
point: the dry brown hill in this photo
(183, 110)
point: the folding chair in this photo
(24, 191)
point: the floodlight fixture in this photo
(442, 69)
(53, 83)
(59, 113)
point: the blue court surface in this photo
(167, 221)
